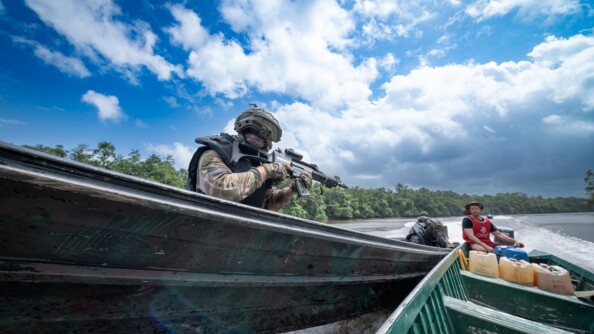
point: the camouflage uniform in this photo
(216, 179)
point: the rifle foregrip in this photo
(301, 188)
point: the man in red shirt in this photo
(476, 229)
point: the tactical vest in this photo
(223, 145)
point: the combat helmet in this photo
(260, 121)
(435, 224)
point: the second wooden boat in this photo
(452, 300)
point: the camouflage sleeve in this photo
(276, 199)
(216, 179)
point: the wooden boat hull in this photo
(82, 247)
(450, 300)
(144, 305)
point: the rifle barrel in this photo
(328, 181)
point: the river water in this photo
(566, 235)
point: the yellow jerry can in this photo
(483, 263)
(552, 278)
(516, 271)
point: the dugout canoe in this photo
(84, 249)
(452, 300)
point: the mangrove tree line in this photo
(332, 204)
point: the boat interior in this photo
(452, 299)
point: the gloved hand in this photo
(276, 171)
(307, 180)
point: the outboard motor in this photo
(507, 231)
(445, 232)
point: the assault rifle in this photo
(241, 149)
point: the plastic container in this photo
(552, 278)
(515, 271)
(516, 253)
(483, 263)
(499, 250)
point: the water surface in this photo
(567, 235)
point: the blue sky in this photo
(476, 97)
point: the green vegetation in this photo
(153, 168)
(403, 201)
(336, 203)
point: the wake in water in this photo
(572, 249)
(554, 242)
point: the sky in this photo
(477, 97)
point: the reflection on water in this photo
(569, 236)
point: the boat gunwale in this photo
(184, 200)
(523, 287)
(403, 316)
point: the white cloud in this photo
(294, 48)
(389, 63)
(552, 119)
(171, 101)
(181, 154)
(567, 67)
(189, 32)
(140, 124)
(526, 9)
(107, 105)
(69, 65)
(6, 122)
(92, 27)
(571, 126)
(427, 128)
(388, 18)
(489, 129)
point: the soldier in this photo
(422, 218)
(212, 172)
(430, 234)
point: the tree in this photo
(83, 154)
(338, 203)
(105, 152)
(57, 151)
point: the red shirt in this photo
(482, 230)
